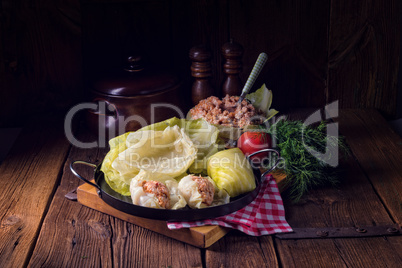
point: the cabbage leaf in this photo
(231, 171)
(202, 134)
(168, 152)
(118, 182)
(262, 99)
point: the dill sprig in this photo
(304, 168)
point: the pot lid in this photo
(134, 80)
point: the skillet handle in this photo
(79, 176)
(274, 165)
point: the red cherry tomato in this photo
(253, 141)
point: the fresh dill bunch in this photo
(306, 152)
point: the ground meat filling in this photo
(160, 191)
(205, 188)
(227, 112)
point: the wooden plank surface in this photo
(201, 237)
(345, 206)
(363, 47)
(294, 35)
(194, 23)
(41, 58)
(29, 176)
(320, 50)
(117, 30)
(204, 22)
(378, 150)
(76, 236)
(239, 250)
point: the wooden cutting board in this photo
(202, 237)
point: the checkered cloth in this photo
(263, 216)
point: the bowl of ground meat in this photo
(231, 117)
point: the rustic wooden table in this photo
(40, 227)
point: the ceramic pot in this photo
(132, 98)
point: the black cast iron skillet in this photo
(124, 203)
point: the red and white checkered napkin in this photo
(263, 216)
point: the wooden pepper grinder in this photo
(232, 52)
(201, 70)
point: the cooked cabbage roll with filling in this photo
(231, 171)
(201, 192)
(156, 191)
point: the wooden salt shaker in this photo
(232, 52)
(201, 70)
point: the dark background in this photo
(319, 50)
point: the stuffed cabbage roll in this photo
(231, 171)
(155, 190)
(201, 192)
